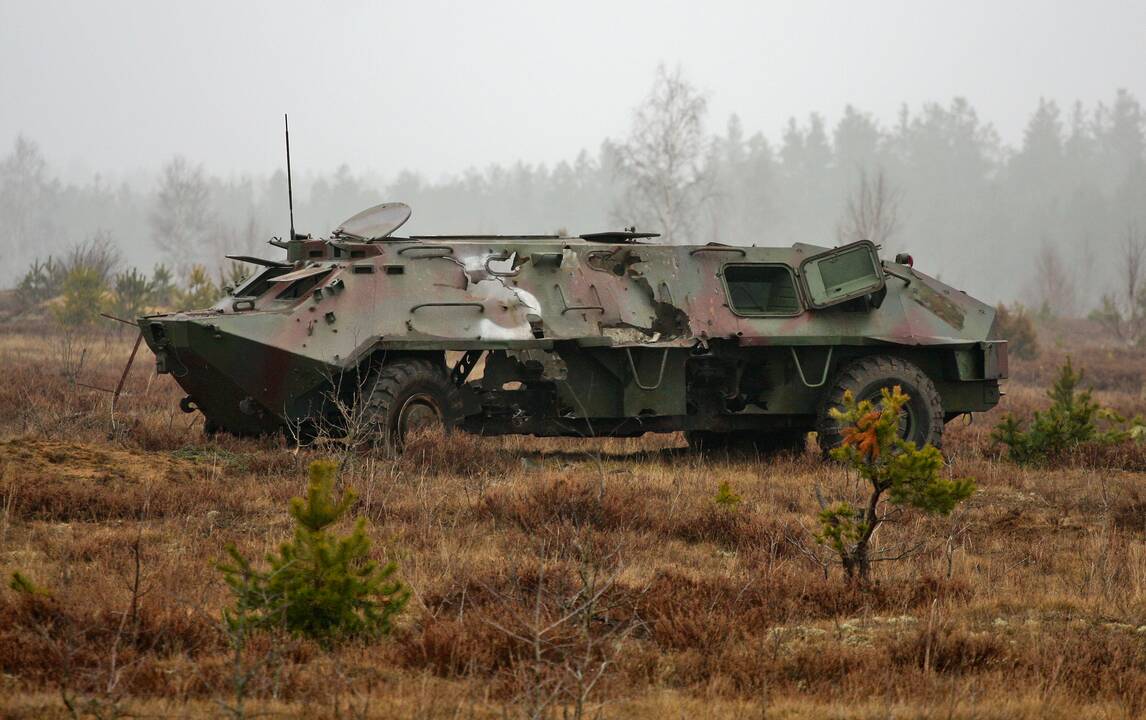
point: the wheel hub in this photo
(906, 417)
(419, 412)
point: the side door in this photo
(842, 274)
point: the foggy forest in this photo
(1048, 222)
(255, 464)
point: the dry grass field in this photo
(544, 572)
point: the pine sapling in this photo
(895, 471)
(726, 497)
(319, 585)
(1072, 419)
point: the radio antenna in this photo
(290, 189)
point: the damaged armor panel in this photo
(603, 334)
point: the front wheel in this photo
(921, 420)
(410, 395)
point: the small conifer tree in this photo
(1072, 419)
(726, 497)
(200, 292)
(319, 585)
(43, 281)
(162, 285)
(130, 293)
(84, 293)
(892, 467)
(22, 585)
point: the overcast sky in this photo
(119, 87)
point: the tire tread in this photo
(387, 386)
(873, 368)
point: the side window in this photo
(761, 290)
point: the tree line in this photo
(1052, 221)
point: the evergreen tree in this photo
(201, 292)
(131, 292)
(181, 219)
(84, 296)
(892, 469)
(1071, 419)
(319, 585)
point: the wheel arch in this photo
(379, 356)
(389, 384)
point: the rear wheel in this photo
(411, 395)
(921, 420)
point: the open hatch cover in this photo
(842, 274)
(259, 261)
(618, 236)
(374, 223)
(299, 274)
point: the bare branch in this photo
(872, 210)
(664, 162)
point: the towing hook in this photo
(187, 404)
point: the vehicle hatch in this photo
(842, 274)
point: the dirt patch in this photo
(73, 481)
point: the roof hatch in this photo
(374, 223)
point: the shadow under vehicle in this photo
(605, 334)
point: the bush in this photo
(725, 496)
(84, 278)
(200, 292)
(43, 281)
(98, 253)
(319, 585)
(1016, 327)
(84, 290)
(131, 294)
(889, 464)
(1071, 420)
(162, 285)
(233, 275)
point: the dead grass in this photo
(1029, 603)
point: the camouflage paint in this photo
(255, 363)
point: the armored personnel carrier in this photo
(605, 334)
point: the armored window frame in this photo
(258, 285)
(302, 287)
(746, 312)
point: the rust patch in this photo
(669, 321)
(618, 261)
